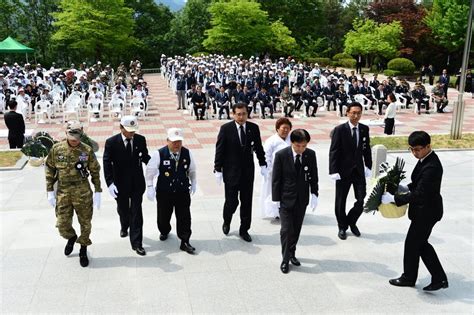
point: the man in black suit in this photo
(124, 154)
(444, 80)
(295, 174)
(350, 162)
(426, 208)
(16, 126)
(233, 163)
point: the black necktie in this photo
(243, 136)
(354, 136)
(128, 147)
(298, 163)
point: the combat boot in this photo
(83, 256)
(70, 245)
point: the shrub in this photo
(391, 73)
(402, 65)
(340, 56)
(200, 54)
(347, 63)
(322, 62)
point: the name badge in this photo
(166, 162)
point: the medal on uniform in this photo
(167, 174)
(79, 166)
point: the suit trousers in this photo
(291, 222)
(129, 208)
(180, 202)
(342, 189)
(389, 126)
(245, 187)
(181, 99)
(16, 142)
(416, 246)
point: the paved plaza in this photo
(228, 275)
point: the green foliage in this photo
(391, 73)
(94, 28)
(371, 38)
(448, 22)
(346, 63)
(402, 66)
(281, 41)
(322, 62)
(309, 47)
(340, 56)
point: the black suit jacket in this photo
(424, 197)
(234, 160)
(344, 157)
(124, 171)
(288, 187)
(15, 124)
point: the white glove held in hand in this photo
(193, 189)
(264, 171)
(277, 204)
(96, 200)
(313, 204)
(219, 177)
(335, 176)
(113, 190)
(52, 198)
(150, 193)
(367, 172)
(388, 198)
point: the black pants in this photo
(381, 104)
(313, 103)
(341, 105)
(180, 202)
(416, 246)
(196, 111)
(265, 105)
(222, 109)
(129, 208)
(245, 187)
(389, 124)
(16, 142)
(342, 189)
(291, 222)
(331, 99)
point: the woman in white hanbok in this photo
(275, 143)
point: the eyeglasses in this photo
(416, 149)
(355, 113)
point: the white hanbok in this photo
(273, 144)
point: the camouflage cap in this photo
(74, 129)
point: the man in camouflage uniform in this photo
(68, 164)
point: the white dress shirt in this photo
(391, 110)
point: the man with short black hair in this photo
(425, 210)
(295, 174)
(16, 126)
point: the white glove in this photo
(403, 189)
(193, 188)
(313, 202)
(264, 171)
(388, 198)
(335, 176)
(113, 190)
(219, 177)
(96, 200)
(150, 193)
(277, 204)
(367, 172)
(52, 198)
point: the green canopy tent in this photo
(10, 46)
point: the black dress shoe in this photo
(187, 247)
(342, 234)
(70, 245)
(295, 261)
(123, 233)
(83, 259)
(225, 228)
(246, 237)
(436, 286)
(163, 237)
(355, 230)
(284, 267)
(139, 250)
(402, 282)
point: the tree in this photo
(373, 39)
(94, 28)
(448, 22)
(241, 26)
(152, 23)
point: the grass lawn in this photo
(9, 158)
(437, 142)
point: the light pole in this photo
(458, 112)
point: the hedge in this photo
(402, 65)
(322, 62)
(340, 56)
(391, 73)
(347, 63)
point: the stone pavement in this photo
(202, 134)
(228, 275)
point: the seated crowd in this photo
(214, 83)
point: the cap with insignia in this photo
(74, 129)
(175, 134)
(129, 123)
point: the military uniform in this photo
(63, 165)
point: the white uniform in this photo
(273, 144)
